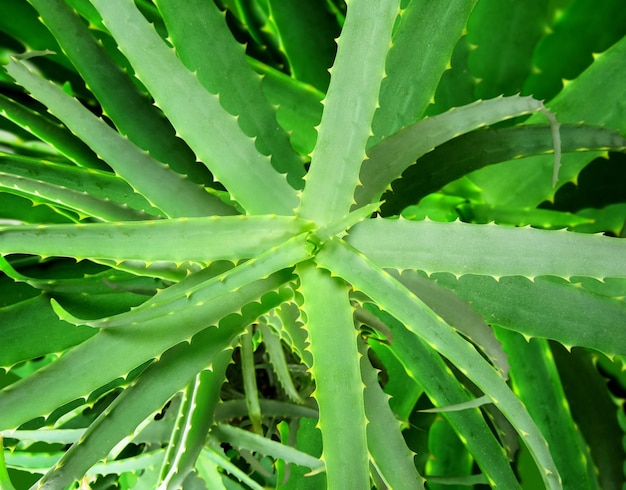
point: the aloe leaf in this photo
(247, 440)
(388, 159)
(306, 32)
(458, 314)
(95, 183)
(199, 24)
(31, 329)
(5, 481)
(449, 457)
(197, 115)
(196, 417)
(573, 38)
(422, 45)
(274, 349)
(183, 197)
(129, 346)
(148, 394)
(478, 149)
(131, 112)
(390, 454)
(398, 301)
(486, 249)
(175, 240)
(417, 359)
(529, 184)
(59, 196)
(298, 106)
(348, 110)
(249, 381)
(541, 392)
(504, 40)
(223, 462)
(339, 389)
(519, 304)
(50, 132)
(595, 409)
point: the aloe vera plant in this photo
(322, 260)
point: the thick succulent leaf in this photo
(364, 275)
(388, 159)
(570, 42)
(528, 308)
(529, 184)
(458, 314)
(423, 40)
(169, 322)
(595, 409)
(346, 120)
(423, 365)
(298, 106)
(198, 24)
(61, 197)
(541, 392)
(504, 38)
(196, 416)
(449, 457)
(389, 451)
(103, 185)
(464, 248)
(176, 240)
(197, 115)
(145, 174)
(306, 31)
(50, 132)
(338, 385)
(175, 368)
(132, 113)
(477, 149)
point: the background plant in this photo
(192, 230)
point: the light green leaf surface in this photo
(197, 115)
(348, 110)
(183, 197)
(393, 297)
(388, 159)
(193, 26)
(176, 240)
(487, 249)
(339, 389)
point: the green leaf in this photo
(244, 439)
(142, 399)
(194, 26)
(348, 110)
(339, 389)
(50, 132)
(541, 392)
(389, 451)
(129, 347)
(388, 159)
(529, 184)
(478, 149)
(528, 308)
(393, 297)
(197, 115)
(487, 249)
(177, 240)
(423, 40)
(103, 186)
(131, 112)
(142, 172)
(307, 32)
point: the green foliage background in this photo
(304, 244)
